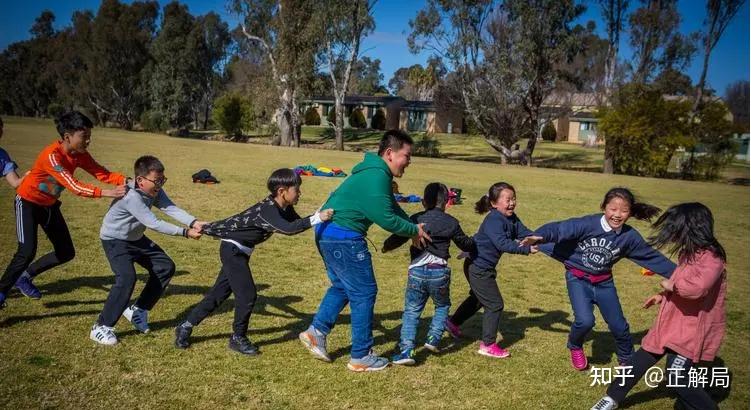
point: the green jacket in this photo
(366, 197)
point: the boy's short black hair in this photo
(394, 139)
(282, 178)
(436, 195)
(147, 163)
(71, 122)
(1, 121)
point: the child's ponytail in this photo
(644, 212)
(639, 210)
(494, 192)
(483, 205)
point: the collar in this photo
(606, 227)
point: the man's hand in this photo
(117, 192)
(326, 214)
(422, 237)
(193, 234)
(530, 240)
(653, 300)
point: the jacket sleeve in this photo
(521, 230)
(462, 241)
(271, 216)
(383, 210)
(168, 207)
(647, 257)
(699, 277)
(499, 233)
(101, 173)
(394, 241)
(143, 214)
(570, 229)
(52, 166)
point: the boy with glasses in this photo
(124, 244)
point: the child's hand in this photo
(194, 234)
(530, 240)
(326, 214)
(462, 255)
(198, 225)
(653, 300)
(533, 249)
(118, 192)
(668, 285)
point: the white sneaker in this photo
(605, 403)
(104, 335)
(138, 317)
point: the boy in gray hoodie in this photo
(124, 244)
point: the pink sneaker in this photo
(493, 350)
(453, 329)
(579, 359)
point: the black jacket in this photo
(257, 223)
(442, 228)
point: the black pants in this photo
(642, 360)
(470, 306)
(122, 255)
(484, 293)
(234, 278)
(28, 217)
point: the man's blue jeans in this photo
(425, 282)
(584, 296)
(350, 269)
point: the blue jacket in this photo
(497, 235)
(589, 244)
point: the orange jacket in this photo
(53, 171)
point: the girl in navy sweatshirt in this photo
(498, 234)
(588, 247)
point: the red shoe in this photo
(579, 359)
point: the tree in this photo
(288, 37)
(357, 119)
(737, 100)
(312, 117)
(378, 122)
(213, 40)
(366, 77)
(713, 142)
(416, 82)
(117, 51)
(233, 113)
(344, 24)
(644, 130)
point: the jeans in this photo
(350, 270)
(584, 295)
(423, 282)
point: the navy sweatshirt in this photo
(442, 228)
(589, 244)
(498, 234)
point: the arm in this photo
(393, 242)
(521, 230)
(570, 229)
(461, 240)
(143, 214)
(168, 207)
(647, 257)
(13, 179)
(272, 217)
(698, 279)
(51, 165)
(500, 235)
(8, 169)
(381, 208)
(101, 173)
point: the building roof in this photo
(419, 105)
(584, 115)
(359, 99)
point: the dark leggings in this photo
(471, 304)
(484, 293)
(642, 360)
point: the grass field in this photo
(47, 360)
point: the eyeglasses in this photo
(159, 182)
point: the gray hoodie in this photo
(129, 216)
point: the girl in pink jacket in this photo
(690, 324)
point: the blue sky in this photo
(729, 61)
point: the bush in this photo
(548, 132)
(357, 119)
(312, 117)
(331, 117)
(378, 121)
(233, 114)
(427, 146)
(55, 110)
(153, 121)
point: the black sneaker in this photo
(182, 336)
(242, 344)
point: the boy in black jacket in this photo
(240, 234)
(429, 273)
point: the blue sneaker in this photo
(432, 344)
(2, 300)
(369, 363)
(405, 357)
(27, 288)
(315, 342)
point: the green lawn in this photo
(47, 360)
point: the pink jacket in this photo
(691, 319)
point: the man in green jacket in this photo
(364, 198)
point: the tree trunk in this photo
(339, 123)
(608, 164)
(206, 117)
